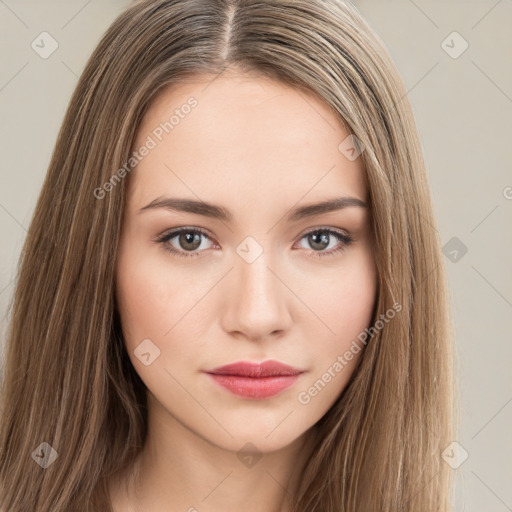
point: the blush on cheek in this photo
(135, 298)
(350, 299)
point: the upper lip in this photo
(249, 369)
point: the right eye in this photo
(188, 238)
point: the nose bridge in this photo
(256, 279)
(257, 299)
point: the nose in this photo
(257, 300)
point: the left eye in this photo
(190, 240)
(320, 237)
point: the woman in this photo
(232, 292)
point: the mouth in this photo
(255, 380)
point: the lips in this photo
(255, 380)
(256, 370)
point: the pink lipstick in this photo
(255, 380)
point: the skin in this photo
(239, 148)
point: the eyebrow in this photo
(221, 213)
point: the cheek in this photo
(345, 304)
(343, 298)
(144, 294)
(350, 303)
(161, 301)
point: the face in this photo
(254, 278)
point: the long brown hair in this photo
(68, 381)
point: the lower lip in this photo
(252, 387)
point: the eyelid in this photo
(340, 232)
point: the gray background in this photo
(463, 108)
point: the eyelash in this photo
(342, 237)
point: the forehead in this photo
(216, 136)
